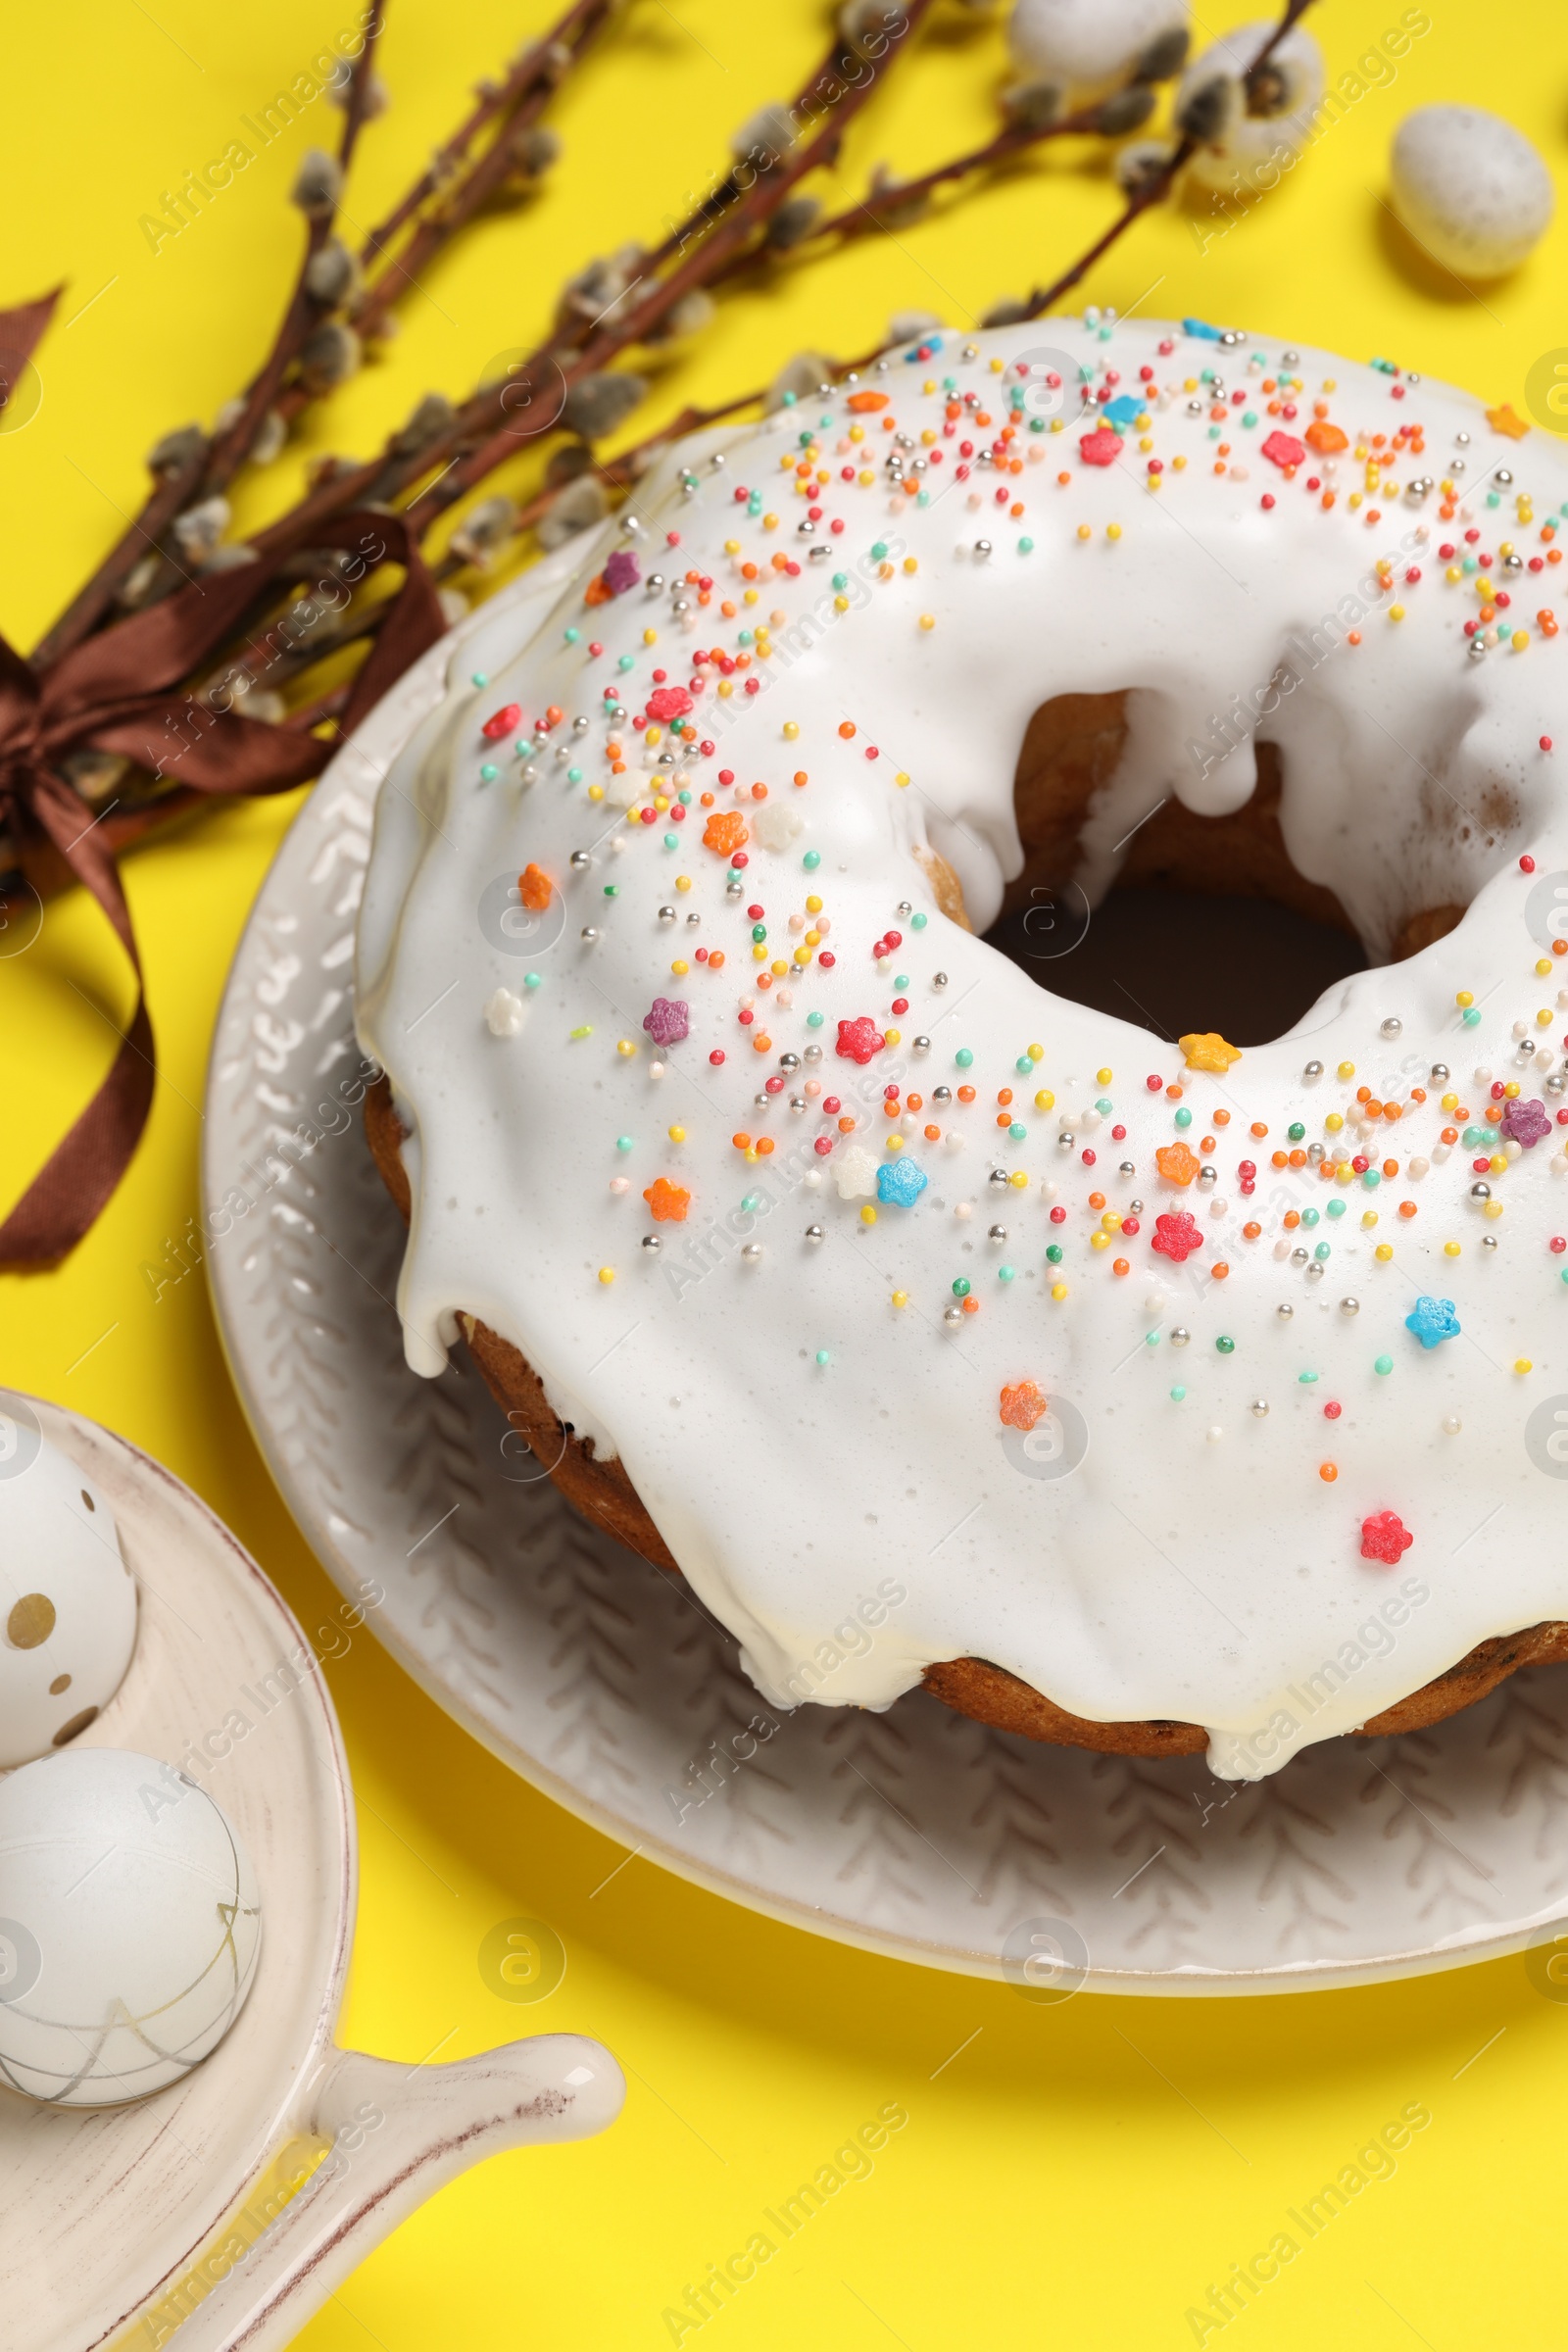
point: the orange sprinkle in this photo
(1251, 1231)
(534, 887)
(1407, 1209)
(847, 728)
(669, 1202)
(1022, 1405)
(724, 831)
(864, 403)
(1176, 1163)
(1096, 1200)
(967, 1094)
(1219, 1269)
(1327, 1473)
(971, 1306)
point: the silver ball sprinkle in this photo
(813, 1052)
(1313, 1069)
(797, 1102)
(667, 914)
(942, 1094)
(1179, 1335)
(760, 1101)
(653, 582)
(1299, 1257)
(1350, 1306)
(1438, 1072)
(814, 1234)
(905, 907)
(1504, 476)
(1556, 1082)
(939, 979)
(789, 1062)
(999, 1178)
(1135, 1209)
(1258, 1408)
(581, 860)
(750, 1252)
(1462, 440)
(1481, 1191)
(1393, 1026)
(650, 1244)
(997, 1234)
(982, 547)
(734, 890)
(1127, 1167)
(1314, 1273)
(1285, 1311)
(1489, 1240)
(1315, 1153)
(1208, 1176)
(953, 1316)
(588, 935)
(1477, 648)
(693, 921)
(921, 1045)
(580, 726)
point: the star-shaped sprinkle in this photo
(668, 1202)
(855, 1172)
(725, 832)
(859, 1040)
(1432, 1320)
(1176, 1163)
(1284, 449)
(1385, 1537)
(1207, 1050)
(1100, 448)
(668, 1020)
(900, 1181)
(1022, 1405)
(1525, 1122)
(1176, 1236)
(1503, 420)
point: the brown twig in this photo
(216, 466)
(526, 93)
(1156, 189)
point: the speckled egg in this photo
(1251, 131)
(1088, 46)
(129, 1926)
(1469, 188)
(67, 1601)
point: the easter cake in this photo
(1153, 1396)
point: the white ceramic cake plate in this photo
(915, 1833)
(125, 2226)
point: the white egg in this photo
(67, 1601)
(1248, 137)
(1087, 45)
(1470, 188)
(129, 1926)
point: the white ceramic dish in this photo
(915, 1833)
(123, 2225)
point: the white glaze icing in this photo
(1173, 1571)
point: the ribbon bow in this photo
(118, 691)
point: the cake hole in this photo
(1209, 925)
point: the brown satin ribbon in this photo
(118, 691)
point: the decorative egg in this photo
(129, 1926)
(1470, 188)
(67, 1601)
(1250, 126)
(1088, 46)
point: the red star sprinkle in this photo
(859, 1040)
(1176, 1235)
(1385, 1537)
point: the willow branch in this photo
(1156, 189)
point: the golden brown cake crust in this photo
(604, 1495)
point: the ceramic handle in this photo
(430, 2124)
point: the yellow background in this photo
(1079, 2174)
